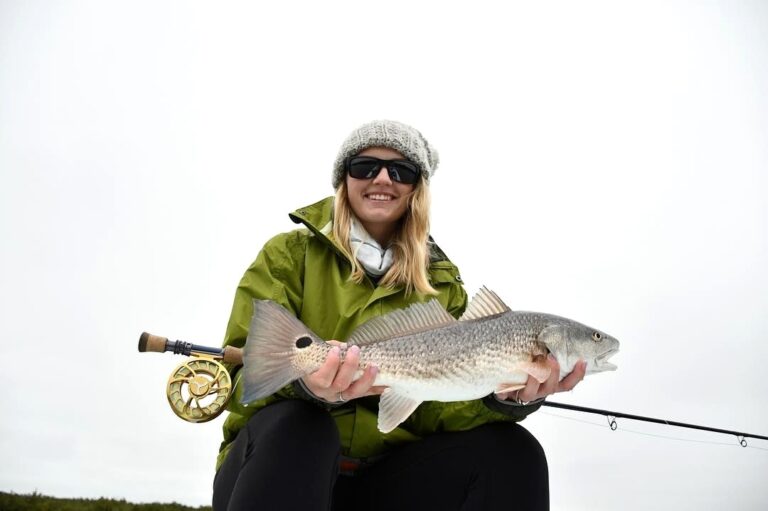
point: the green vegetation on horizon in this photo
(38, 502)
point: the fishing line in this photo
(623, 429)
(572, 419)
(741, 436)
(730, 444)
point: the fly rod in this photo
(612, 416)
(199, 389)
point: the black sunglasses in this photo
(368, 167)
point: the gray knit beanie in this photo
(395, 135)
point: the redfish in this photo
(425, 354)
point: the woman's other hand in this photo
(333, 381)
(534, 390)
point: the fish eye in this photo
(597, 337)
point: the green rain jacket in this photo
(305, 272)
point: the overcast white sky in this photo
(605, 161)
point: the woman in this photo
(315, 444)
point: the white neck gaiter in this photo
(376, 260)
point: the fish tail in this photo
(276, 351)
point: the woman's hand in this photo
(534, 390)
(333, 381)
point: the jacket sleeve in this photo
(277, 274)
(457, 300)
(514, 411)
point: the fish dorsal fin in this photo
(394, 408)
(484, 303)
(416, 318)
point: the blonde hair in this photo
(409, 244)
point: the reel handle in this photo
(155, 343)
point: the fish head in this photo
(571, 342)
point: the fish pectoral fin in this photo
(394, 408)
(537, 368)
(509, 387)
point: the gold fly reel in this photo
(199, 389)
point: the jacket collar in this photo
(318, 218)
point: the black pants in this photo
(287, 458)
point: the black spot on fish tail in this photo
(303, 342)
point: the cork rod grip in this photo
(233, 355)
(149, 342)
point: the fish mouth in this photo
(602, 363)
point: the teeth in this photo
(379, 197)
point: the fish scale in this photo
(424, 354)
(440, 352)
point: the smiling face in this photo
(379, 203)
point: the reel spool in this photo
(199, 389)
